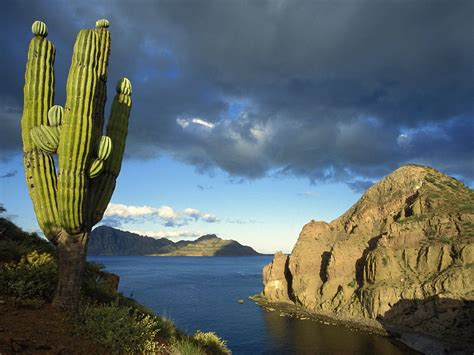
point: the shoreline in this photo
(404, 337)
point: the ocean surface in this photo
(202, 293)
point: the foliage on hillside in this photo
(28, 275)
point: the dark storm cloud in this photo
(338, 90)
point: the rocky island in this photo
(400, 261)
(110, 241)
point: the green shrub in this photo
(33, 278)
(95, 286)
(131, 303)
(211, 343)
(120, 329)
(16, 243)
(30, 303)
(167, 329)
(186, 346)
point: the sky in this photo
(251, 118)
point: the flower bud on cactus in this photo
(105, 147)
(96, 168)
(39, 29)
(103, 23)
(46, 138)
(55, 115)
(124, 86)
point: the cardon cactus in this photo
(69, 201)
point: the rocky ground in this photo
(402, 257)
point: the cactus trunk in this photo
(71, 249)
(69, 202)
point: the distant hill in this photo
(211, 245)
(110, 241)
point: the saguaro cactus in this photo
(68, 202)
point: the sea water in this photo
(203, 293)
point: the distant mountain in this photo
(211, 245)
(110, 241)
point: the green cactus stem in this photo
(38, 95)
(76, 135)
(117, 130)
(103, 61)
(69, 203)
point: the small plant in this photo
(445, 240)
(121, 329)
(414, 218)
(96, 287)
(353, 283)
(167, 329)
(30, 303)
(211, 343)
(187, 347)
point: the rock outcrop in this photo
(402, 257)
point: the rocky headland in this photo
(399, 261)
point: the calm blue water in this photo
(201, 293)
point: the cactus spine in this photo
(69, 202)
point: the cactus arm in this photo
(103, 61)
(117, 130)
(39, 166)
(76, 146)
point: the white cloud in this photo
(185, 122)
(166, 214)
(173, 234)
(192, 212)
(124, 211)
(203, 123)
(210, 218)
(196, 214)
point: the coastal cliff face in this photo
(402, 256)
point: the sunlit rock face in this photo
(403, 255)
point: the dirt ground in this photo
(42, 331)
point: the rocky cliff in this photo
(402, 257)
